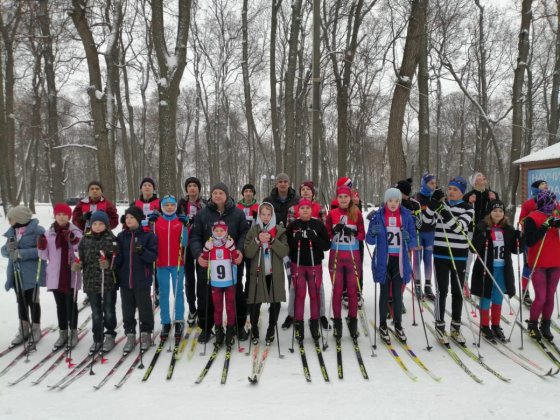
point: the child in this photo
(96, 252)
(543, 242)
(308, 239)
(495, 240)
(220, 252)
(451, 219)
(393, 230)
(137, 253)
(345, 226)
(148, 201)
(23, 268)
(58, 247)
(266, 245)
(172, 236)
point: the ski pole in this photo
(414, 323)
(295, 280)
(519, 285)
(34, 298)
(93, 357)
(208, 292)
(276, 314)
(333, 282)
(254, 304)
(483, 290)
(234, 275)
(317, 295)
(20, 293)
(374, 345)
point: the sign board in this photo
(550, 175)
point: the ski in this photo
(363, 322)
(114, 368)
(44, 360)
(194, 343)
(540, 344)
(23, 353)
(259, 370)
(208, 365)
(454, 356)
(396, 356)
(304, 361)
(161, 345)
(358, 356)
(414, 357)
(553, 346)
(175, 355)
(225, 369)
(477, 359)
(339, 367)
(184, 343)
(254, 364)
(135, 363)
(321, 360)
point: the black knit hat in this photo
(135, 212)
(248, 187)
(404, 186)
(537, 183)
(95, 183)
(497, 204)
(148, 179)
(195, 180)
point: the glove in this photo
(152, 218)
(208, 246)
(298, 235)
(405, 235)
(42, 242)
(311, 234)
(338, 228)
(230, 244)
(86, 216)
(103, 263)
(555, 222)
(348, 231)
(15, 255)
(123, 219)
(69, 236)
(75, 267)
(11, 246)
(517, 235)
(374, 228)
(437, 195)
(183, 219)
(138, 249)
(434, 205)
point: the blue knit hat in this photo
(458, 182)
(168, 199)
(427, 177)
(392, 193)
(100, 216)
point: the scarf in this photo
(64, 276)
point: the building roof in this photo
(548, 153)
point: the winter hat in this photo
(100, 216)
(193, 180)
(95, 183)
(343, 190)
(392, 193)
(305, 202)
(168, 199)
(308, 184)
(220, 224)
(473, 177)
(20, 215)
(427, 177)
(248, 187)
(150, 180)
(535, 187)
(458, 182)
(497, 204)
(220, 186)
(546, 201)
(135, 212)
(62, 208)
(404, 186)
(344, 181)
(334, 204)
(282, 177)
(356, 193)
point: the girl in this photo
(345, 226)
(58, 247)
(543, 242)
(96, 252)
(23, 271)
(495, 240)
(393, 230)
(308, 239)
(266, 245)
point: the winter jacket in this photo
(281, 207)
(340, 241)
(172, 237)
(278, 250)
(424, 201)
(481, 205)
(89, 250)
(249, 210)
(202, 228)
(481, 282)
(190, 210)
(87, 205)
(53, 257)
(317, 212)
(29, 256)
(320, 244)
(136, 270)
(148, 206)
(381, 252)
(534, 235)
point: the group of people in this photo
(219, 252)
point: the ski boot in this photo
(130, 343)
(314, 329)
(298, 326)
(384, 333)
(418, 289)
(428, 292)
(230, 333)
(145, 341)
(545, 330)
(270, 334)
(220, 335)
(165, 330)
(337, 329)
(527, 301)
(400, 332)
(353, 327)
(499, 333)
(191, 319)
(22, 334)
(325, 323)
(456, 332)
(108, 343)
(533, 330)
(288, 322)
(487, 333)
(61, 340)
(443, 338)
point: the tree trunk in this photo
(554, 110)
(275, 116)
(424, 106)
(411, 53)
(247, 93)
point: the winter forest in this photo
(238, 90)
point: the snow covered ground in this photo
(282, 391)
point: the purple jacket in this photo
(52, 256)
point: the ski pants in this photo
(343, 270)
(424, 254)
(137, 298)
(171, 278)
(393, 285)
(307, 279)
(445, 273)
(218, 294)
(545, 283)
(103, 314)
(66, 309)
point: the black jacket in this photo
(481, 205)
(202, 228)
(479, 275)
(136, 270)
(320, 244)
(281, 208)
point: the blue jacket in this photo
(380, 257)
(29, 260)
(136, 270)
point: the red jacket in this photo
(87, 204)
(172, 237)
(148, 207)
(342, 242)
(530, 206)
(250, 211)
(549, 256)
(317, 212)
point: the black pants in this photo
(103, 314)
(66, 309)
(206, 307)
(273, 309)
(393, 283)
(190, 280)
(131, 299)
(29, 302)
(445, 272)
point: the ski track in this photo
(282, 390)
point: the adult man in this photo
(93, 202)
(282, 197)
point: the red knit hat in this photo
(220, 224)
(304, 202)
(344, 181)
(308, 184)
(62, 208)
(343, 190)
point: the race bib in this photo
(394, 237)
(499, 247)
